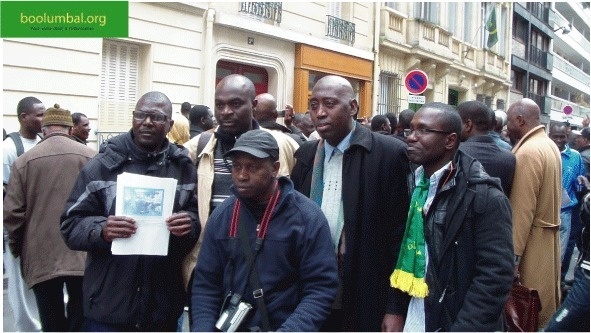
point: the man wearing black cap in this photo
(37, 192)
(294, 269)
(234, 105)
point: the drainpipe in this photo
(376, 58)
(209, 60)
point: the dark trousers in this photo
(55, 316)
(95, 326)
(576, 227)
(334, 322)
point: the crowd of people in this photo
(321, 222)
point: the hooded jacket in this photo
(143, 291)
(469, 239)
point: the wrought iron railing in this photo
(340, 29)
(266, 10)
(539, 10)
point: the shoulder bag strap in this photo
(254, 280)
(18, 143)
(201, 142)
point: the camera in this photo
(234, 315)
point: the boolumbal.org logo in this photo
(64, 19)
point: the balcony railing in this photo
(267, 10)
(539, 10)
(571, 70)
(540, 58)
(340, 29)
(542, 101)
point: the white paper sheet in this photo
(148, 200)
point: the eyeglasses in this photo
(155, 117)
(423, 131)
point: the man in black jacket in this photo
(456, 259)
(477, 122)
(359, 179)
(133, 292)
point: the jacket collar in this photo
(532, 132)
(481, 138)
(362, 137)
(122, 148)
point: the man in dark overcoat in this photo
(359, 179)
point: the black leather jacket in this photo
(468, 231)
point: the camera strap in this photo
(253, 275)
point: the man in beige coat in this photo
(40, 183)
(535, 200)
(234, 105)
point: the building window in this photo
(537, 86)
(119, 80)
(502, 29)
(453, 97)
(468, 22)
(427, 11)
(517, 80)
(257, 75)
(389, 100)
(452, 12)
(519, 29)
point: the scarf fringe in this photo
(408, 283)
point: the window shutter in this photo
(119, 86)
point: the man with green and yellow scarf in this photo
(455, 265)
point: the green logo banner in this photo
(64, 19)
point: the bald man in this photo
(536, 200)
(266, 114)
(133, 292)
(234, 106)
(359, 179)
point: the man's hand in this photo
(392, 323)
(118, 227)
(179, 224)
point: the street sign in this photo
(416, 99)
(567, 110)
(416, 82)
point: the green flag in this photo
(491, 27)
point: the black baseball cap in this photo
(258, 143)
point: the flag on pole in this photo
(491, 27)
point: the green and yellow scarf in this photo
(409, 274)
